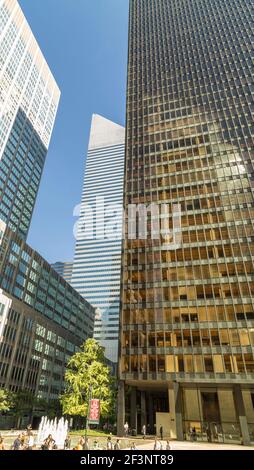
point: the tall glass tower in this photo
(97, 262)
(29, 99)
(187, 317)
(64, 268)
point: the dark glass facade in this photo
(28, 277)
(187, 319)
(21, 168)
(43, 320)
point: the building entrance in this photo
(211, 415)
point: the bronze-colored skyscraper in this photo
(187, 320)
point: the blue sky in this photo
(85, 45)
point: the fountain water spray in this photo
(57, 428)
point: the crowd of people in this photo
(145, 430)
(26, 441)
(84, 444)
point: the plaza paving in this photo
(178, 445)
(142, 444)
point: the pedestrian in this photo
(29, 429)
(209, 434)
(216, 434)
(168, 446)
(2, 444)
(86, 444)
(144, 431)
(79, 445)
(67, 443)
(30, 443)
(17, 443)
(126, 429)
(95, 445)
(161, 432)
(49, 443)
(109, 444)
(194, 433)
(117, 445)
(133, 446)
(23, 441)
(157, 445)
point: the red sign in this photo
(94, 411)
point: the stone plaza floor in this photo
(186, 445)
(140, 444)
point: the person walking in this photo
(23, 441)
(126, 429)
(96, 445)
(67, 443)
(86, 444)
(79, 445)
(157, 445)
(144, 431)
(2, 444)
(161, 432)
(168, 446)
(133, 446)
(109, 444)
(209, 434)
(49, 443)
(194, 434)
(17, 444)
(29, 429)
(30, 443)
(117, 445)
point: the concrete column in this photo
(120, 409)
(178, 411)
(133, 411)
(241, 414)
(143, 409)
(150, 411)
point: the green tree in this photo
(86, 371)
(6, 401)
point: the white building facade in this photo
(29, 98)
(97, 262)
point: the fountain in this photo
(57, 428)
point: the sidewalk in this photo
(179, 445)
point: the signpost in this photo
(94, 411)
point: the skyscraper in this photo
(187, 317)
(97, 261)
(64, 269)
(29, 99)
(43, 320)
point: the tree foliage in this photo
(6, 400)
(26, 402)
(87, 370)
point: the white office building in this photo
(29, 99)
(97, 262)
